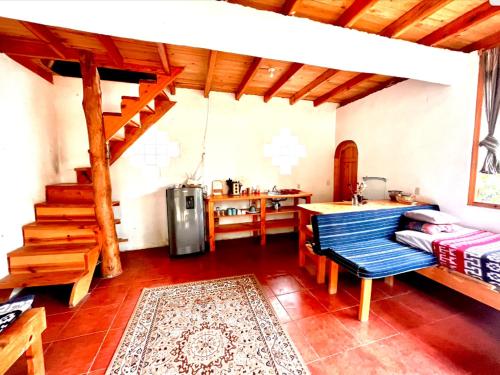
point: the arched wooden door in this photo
(345, 171)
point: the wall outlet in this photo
(298, 186)
(328, 182)
(417, 191)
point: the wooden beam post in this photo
(101, 182)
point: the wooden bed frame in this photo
(473, 288)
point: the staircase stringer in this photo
(148, 91)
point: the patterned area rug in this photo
(223, 326)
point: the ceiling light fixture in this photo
(271, 72)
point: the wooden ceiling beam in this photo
(290, 7)
(210, 72)
(39, 50)
(252, 70)
(37, 68)
(312, 85)
(491, 41)
(471, 18)
(420, 11)
(110, 46)
(165, 63)
(341, 88)
(354, 12)
(282, 81)
(43, 33)
(381, 86)
(396, 28)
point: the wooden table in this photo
(24, 335)
(255, 225)
(308, 210)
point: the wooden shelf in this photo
(281, 223)
(269, 211)
(282, 210)
(257, 222)
(237, 227)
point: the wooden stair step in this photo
(24, 280)
(60, 232)
(129, 100)
(45, 258)
(47, 211)
(148, 90)
(83, 175)
(69, 193)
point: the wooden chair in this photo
(24, 335)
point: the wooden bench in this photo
(24, 335)
(363, 243)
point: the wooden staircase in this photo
(63, 245)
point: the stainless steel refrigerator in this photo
(186, 220)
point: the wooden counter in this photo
(255, 225)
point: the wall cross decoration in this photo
(285, 151)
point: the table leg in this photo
(263, 222)
(296, 215)
(34, 357)
(304, 218)
(211, 225)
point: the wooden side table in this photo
(24, 335)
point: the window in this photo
(484, 187)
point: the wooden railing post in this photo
(111, 265)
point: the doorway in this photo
(345, 171)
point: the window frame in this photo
(475, 142)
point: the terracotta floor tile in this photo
(334, 302)
(55, 324)
(107, 350)
(374, 329)
(472, 347)
(301, 343)
(106, 296)
(397, 314)
(306, 279)
(283, 284)
(441, 331)
(326, 334)
(86, 321)
(279, 310)
(301, 304)
(72, 356)
(428, 306)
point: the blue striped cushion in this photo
(363, 242)
(380, 258)
(332, 230)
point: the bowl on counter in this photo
(393, 194)
(406, 198)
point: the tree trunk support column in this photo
(101, 182)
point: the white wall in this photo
(237, 132)
(418, 134)
(28, 150)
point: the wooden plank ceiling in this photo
(463, 25)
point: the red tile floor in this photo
(415, 327)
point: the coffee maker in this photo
(234, 187)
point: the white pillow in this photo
(431, 216)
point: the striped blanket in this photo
(476, 254)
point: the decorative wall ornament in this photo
(153, 149)
(285, 151)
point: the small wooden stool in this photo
(24, 335)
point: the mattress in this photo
(423, 241)
(472, 252)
